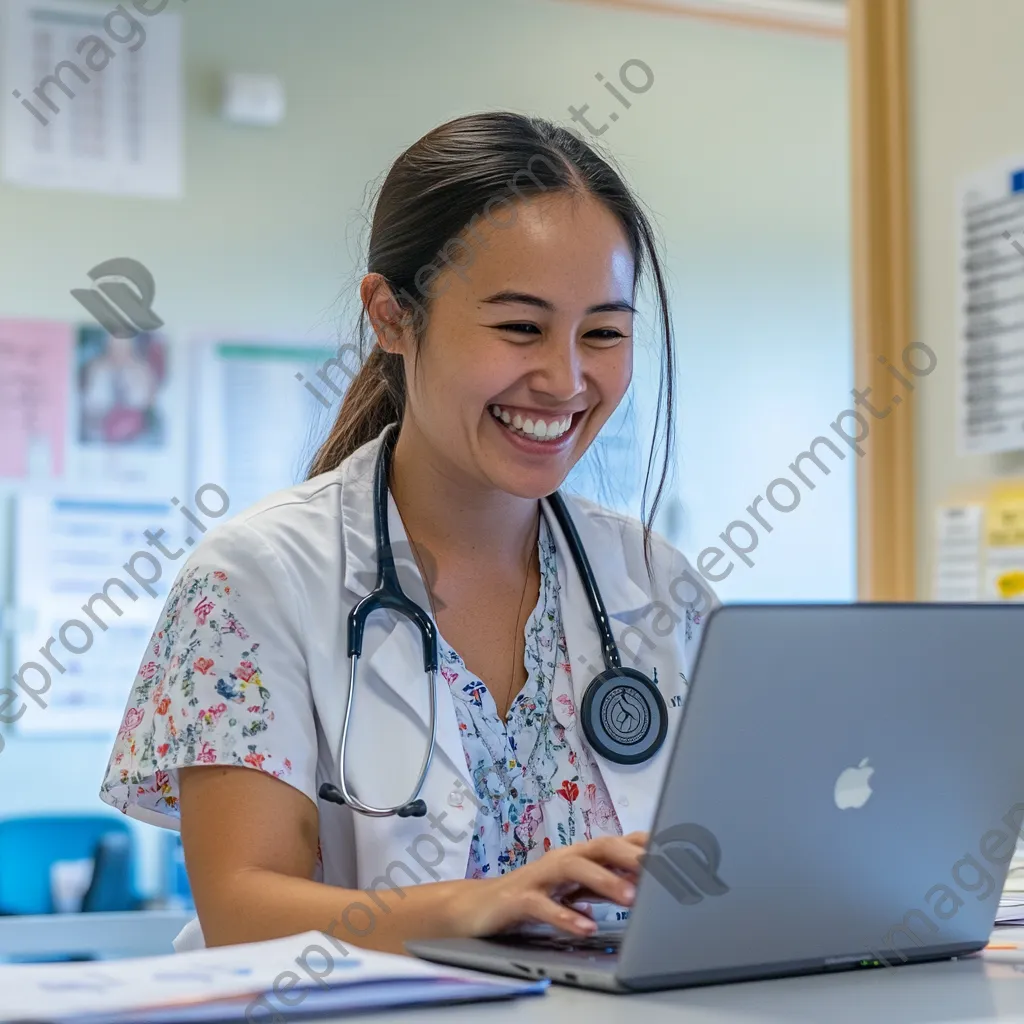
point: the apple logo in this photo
(852, 786)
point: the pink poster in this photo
(35, 359)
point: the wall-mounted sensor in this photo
(252, 99)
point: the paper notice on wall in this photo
(259, 423)
(92, 97)
(958, 552)
(34, 369)
(1004, 540)
(990, 335)
(88, 577)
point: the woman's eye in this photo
(606, 334)
(520, 328)
(602, 335)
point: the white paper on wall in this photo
(990, 335)
(69, 549)
(92, 96)
(958, 552)
(259, 424)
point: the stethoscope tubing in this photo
(609, 649)
(354, 802)
(388, 594)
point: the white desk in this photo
(948, 992)
(951, 992)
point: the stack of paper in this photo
(300, 976)
(1015, 876)
(1011, 909)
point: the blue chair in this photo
(110, 889)
(176, 889)
(30, 845)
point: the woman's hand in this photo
(251, 875)
(601, 869)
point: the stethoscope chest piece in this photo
(623, 716)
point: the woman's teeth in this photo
(535, 429)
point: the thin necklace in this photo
(519, 613)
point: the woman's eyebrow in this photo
(525, 299)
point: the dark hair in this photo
(430, 201)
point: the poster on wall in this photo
(34, 374)
(120, 382)
(257, 412)
(128, 420)
(990, 331)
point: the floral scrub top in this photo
(535, 778)
(200, 698)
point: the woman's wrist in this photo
(464, 911)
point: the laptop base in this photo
(590, 969)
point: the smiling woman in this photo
(500, 337)
(574, 226)
(528, 370)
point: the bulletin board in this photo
(105, 441)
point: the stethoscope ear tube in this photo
(401, 604)
(414, 809)
(388, 592)
(341, 794)
(609, 649)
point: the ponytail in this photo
(375, 398)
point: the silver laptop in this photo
(846, 790)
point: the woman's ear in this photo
(387, 318)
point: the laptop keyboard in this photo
(608, 943)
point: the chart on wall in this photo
(92, 97)
(990, 335)
(258, 421)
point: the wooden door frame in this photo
(882, 294)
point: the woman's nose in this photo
(561, 370)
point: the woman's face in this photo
(529, 344)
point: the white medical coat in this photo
(314, 544)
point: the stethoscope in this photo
(623, 714)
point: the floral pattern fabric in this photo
(198, 698)
(535, 779)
